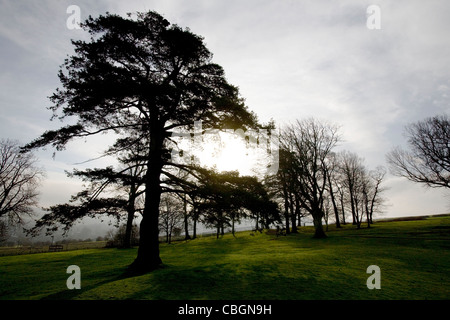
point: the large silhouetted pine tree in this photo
(142, 77)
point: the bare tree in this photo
(428, 159)
(332, 173)
(312, 142)
(360, 189)
(19, 181)
(283, 186)
(374, 199)
(171, 216)
(351, 171)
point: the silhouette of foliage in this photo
(140, 77)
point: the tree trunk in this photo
(130, 217)
(194, 232)
(257, 222)
(333, 201)
(186, 228)
(318, 227)
(354, 209)
(186, 221)
(358, 220)
(342, 208)
(372, 203)
(148, 258)
(298, 213)
(286, 213)
(366, 202)
(127, 239)
(232, 226)
(293, 216)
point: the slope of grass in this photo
(413, 257)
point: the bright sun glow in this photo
(228, 151)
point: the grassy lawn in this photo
(413, 257)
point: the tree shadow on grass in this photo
(218, 282)
(70, 294)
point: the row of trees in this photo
(346, 185)
(219, 200)
(312, 180)
(315, 180)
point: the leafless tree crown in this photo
(19, 181)
(428, 158)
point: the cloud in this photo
(407, 198)
(290, 59)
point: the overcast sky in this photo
(291, 59)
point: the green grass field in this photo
(413, 257)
